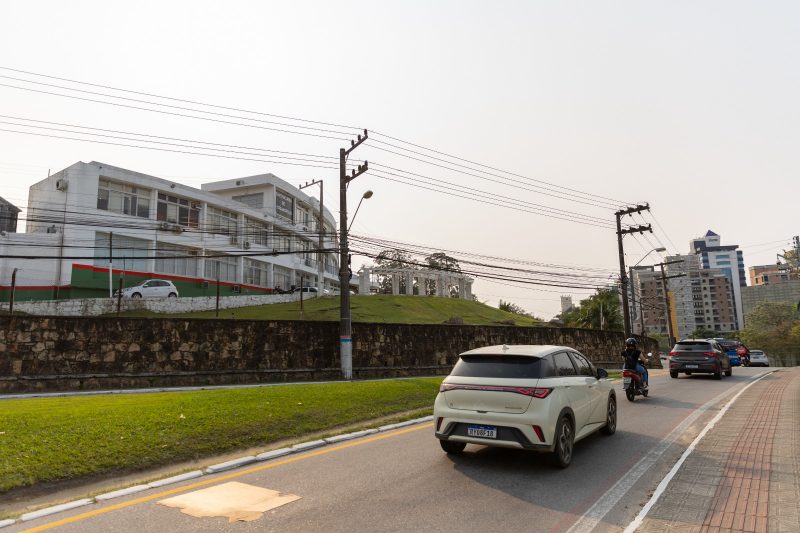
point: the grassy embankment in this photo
(378, 308)
(52, 439)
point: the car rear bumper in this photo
(694, 368)
(507, 437)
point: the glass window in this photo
(256, 201)
(177, 210)
(563, 364)
(222, 222)
(255, 272)
(498, 366)
(282, 242)
(256, 232)
(171, 259)
(281, 277)
(222, 268)
(128, 253)
(584, 367)
(124, 199)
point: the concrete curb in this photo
(213, 469)
(55, 509)
(228, 465)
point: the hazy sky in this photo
(689, 105)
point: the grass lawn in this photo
(51, 439)
(377, 308)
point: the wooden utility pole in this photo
(623, 275)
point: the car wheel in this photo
(565, 439)
(673, 374)
(611, 417)
(718, 373)
(452, 447)
(173, 295)
(729, 372)
(630, 394)
(136, 295)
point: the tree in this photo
(599, 311)
(774, 328)
(511, 308)
(442, 261)
(702, 333)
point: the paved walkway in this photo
(745, 474)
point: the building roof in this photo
(710, 233)
(9, 204)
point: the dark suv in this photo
(699, 356)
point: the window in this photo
(179, 260)
(222, 268)
(282, 243)
(177, 210)
(282, 277)
(255, 272)
(584, 366)
(301, 215)
(256, 232)
(125, 199)
(128, 253)
(256, 201)
(499, 366)
(563, 364)
(222, 222)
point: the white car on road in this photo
(542, 398)
(151, 288)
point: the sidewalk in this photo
(745, 474)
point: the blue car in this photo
(730, 345)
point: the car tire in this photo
(136, 295)
(729, 372)
(673, 374)
(611, 417)
(630, 394)
(718, 373)
(564, 442)
(452, 447)
(172, 295)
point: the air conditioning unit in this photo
(61, 184)
(246, 245)
(177, 228)
(237, 289)
(165, 226)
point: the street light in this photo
(366, 196)
(633, 289)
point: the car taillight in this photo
(673, 353)
(539, 392)
(539, 433)
(709, 354)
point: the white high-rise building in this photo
(729, 260)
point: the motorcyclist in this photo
(635, 361)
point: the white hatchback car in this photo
(151, 288)
(758, 358)
(542, 398)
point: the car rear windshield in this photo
(697, 346)
(498, 366)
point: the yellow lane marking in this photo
(233, 475)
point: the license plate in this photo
(692, 366)
(485, 432)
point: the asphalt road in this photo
(402, 481)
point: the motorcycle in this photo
(633, 385)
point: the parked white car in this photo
(758, 358)
(151, 288)
(541, 398)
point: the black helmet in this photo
(630, 342)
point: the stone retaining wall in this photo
(65, 353)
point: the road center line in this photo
(595, 514)
(217, 479)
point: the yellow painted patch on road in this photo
(233, 500)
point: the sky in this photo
(690, 106)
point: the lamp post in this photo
(366, 196)
(633, 288)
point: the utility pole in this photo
(110, 264)
(623, 275)
(321, 228)
(664, 278)
(345, 329)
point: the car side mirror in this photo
(601, 373)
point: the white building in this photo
(727, 258)
(253, 234)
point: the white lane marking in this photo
(595, 514)
(664, 482)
